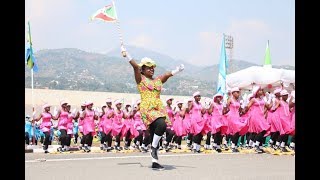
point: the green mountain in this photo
(74, 69)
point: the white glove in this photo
(178, 69)
(245, 103)
(242, 106)
(224, 104)
(265, 99)
(74, 112)
(125, 54)
(34, 115)
(185, 105)
(269, 101)
(129, 109)
(96, 112)
(55, 111)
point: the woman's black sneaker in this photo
(157, 166)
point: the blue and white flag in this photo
(221, 87)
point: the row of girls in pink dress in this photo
(254, 120)
(281, 117)
(118, 123)
(270, 116)
(65, 125)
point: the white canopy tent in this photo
(266, 77)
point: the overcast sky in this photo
(183, 29)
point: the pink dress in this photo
(63, 120)
(70, 124)
(80, 124)
(207, 118)
(117, 124)
(258, 122)
(138, 124)
(46, 122)
(285, 118)
(293, 120)
(178, 128)
(187, 122)
(101, 122)
(198, 123)
(107, 123)
(129, 126)
(273, 118)
(170, 117)
(88, 123)
(235, 122)
(219, 122)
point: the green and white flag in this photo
(106, 14)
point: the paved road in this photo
(116, 166)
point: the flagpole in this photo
(32, 96)
(118, 24)
(32, 90)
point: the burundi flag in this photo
(107, 14)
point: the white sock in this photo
(292, 144)
(253, 144)
(250, 143)
(282, 144)
(214, 144)
(116, 144)
(188, 141)
(233, 145)
(257, 143)
(270, 141)
(154, 160)
(225, 142)
(155, 140)
(277, 143)
(195, 146)
(198, 147)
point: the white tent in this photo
(262, 76)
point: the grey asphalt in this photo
(133, 166)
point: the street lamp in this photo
(229, 45)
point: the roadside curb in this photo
(54, 149)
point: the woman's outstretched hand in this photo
(125, 54)
(178, 69)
